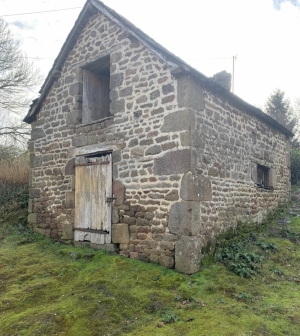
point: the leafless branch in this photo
(17, 78)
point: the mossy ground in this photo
(48, 288)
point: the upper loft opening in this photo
(95, 98)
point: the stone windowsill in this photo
(263, 188)
(95, 122)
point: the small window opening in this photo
(263, 176)
(97, 155)
(94, 157)
(95, 100)
(264, 179)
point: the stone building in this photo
(134, 151)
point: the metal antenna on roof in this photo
(233, 59)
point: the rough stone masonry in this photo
(189, 159)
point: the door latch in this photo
(110, 199)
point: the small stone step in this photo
(283, 221)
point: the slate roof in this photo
(180, 67)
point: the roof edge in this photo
(255, 111)
(179, 66)
(58, 62)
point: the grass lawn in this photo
(49, 288)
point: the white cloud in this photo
(278, 3)
(24, 25)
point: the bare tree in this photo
(17, 78)
(13, 131)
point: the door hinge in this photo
(91, 230)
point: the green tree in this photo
(279, 108)
(295, 166)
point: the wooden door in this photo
(93, 199)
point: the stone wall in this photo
(181, 154)
(142, 93)
(219, 190)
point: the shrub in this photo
(9, 153)
(295, 166)
(240, 261)
(14, 175)
(168, 316)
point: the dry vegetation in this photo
(14, 176)
(14, 172)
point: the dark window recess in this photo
(262, 176)
(96, 79)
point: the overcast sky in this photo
(264, 34)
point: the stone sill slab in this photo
(95, 122)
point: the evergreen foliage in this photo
(279, 108)
(295, 165)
